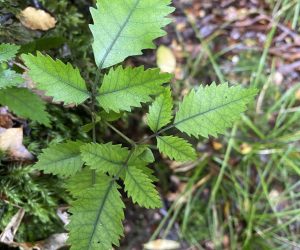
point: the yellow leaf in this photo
(36, 19)
(297, 94)
(245, 148)
(166, 60)
(217, 145)
(161, 244)
(11, 141)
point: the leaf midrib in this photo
(20, 100)
(56, 76)
(99, 212)
(138, 184)
(128, 87)
(171, 146)
(118, 34)
(159, 114)
(105, 159)
(210, 110)
(71, 156)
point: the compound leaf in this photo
(9, 78)
(61, 81)
(160, 112)
(25, 104)
(176, 148)
(125, 28)
(97, 214)
(129, 87)
(80, 181)
(61, 159)
(104, 157)
(8, 51)
(212, 109)
(140, 188)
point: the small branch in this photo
(93, 113)
(131, 142)
(223, 167)
(20, 65)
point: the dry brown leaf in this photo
(162, 244)
(5, 118)
(54, 242)
(217, 145)
(166, 60)
(36, 19)
(11, 141)
(8, 234)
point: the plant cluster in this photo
(95, 172)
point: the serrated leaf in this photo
(104, 157)
(61, 81)
(110, 116)
(125, 28)
(160, 112)
(25, 104)
(176, 148)
(212, 109)
(140, 188)
(86, 178)
(97, 214)
(9, 78)
(129, 87)
(61, 159)
(8, 51)
(142, 155)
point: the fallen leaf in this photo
(161, 244)
(8, 234)
(166, 60)
(245, 148)
(54, 242)
(11, 141)
(217, 145)
(5, 118)
(297, 94)
(36, 19)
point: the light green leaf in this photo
(140, 188)
(212, 109)
(176, 148)
(129, 87)
(78, 183)
(110, 116)
(104, 157)
(8, 51)
(160, 112)
(25, 104)
(125, 28)
(97, 214)
(61, 159)
(59, 80)
(9, 78)
(142, 155)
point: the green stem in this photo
(93, 113)
(224, 165)
(131, 142)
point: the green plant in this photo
(94, 171)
